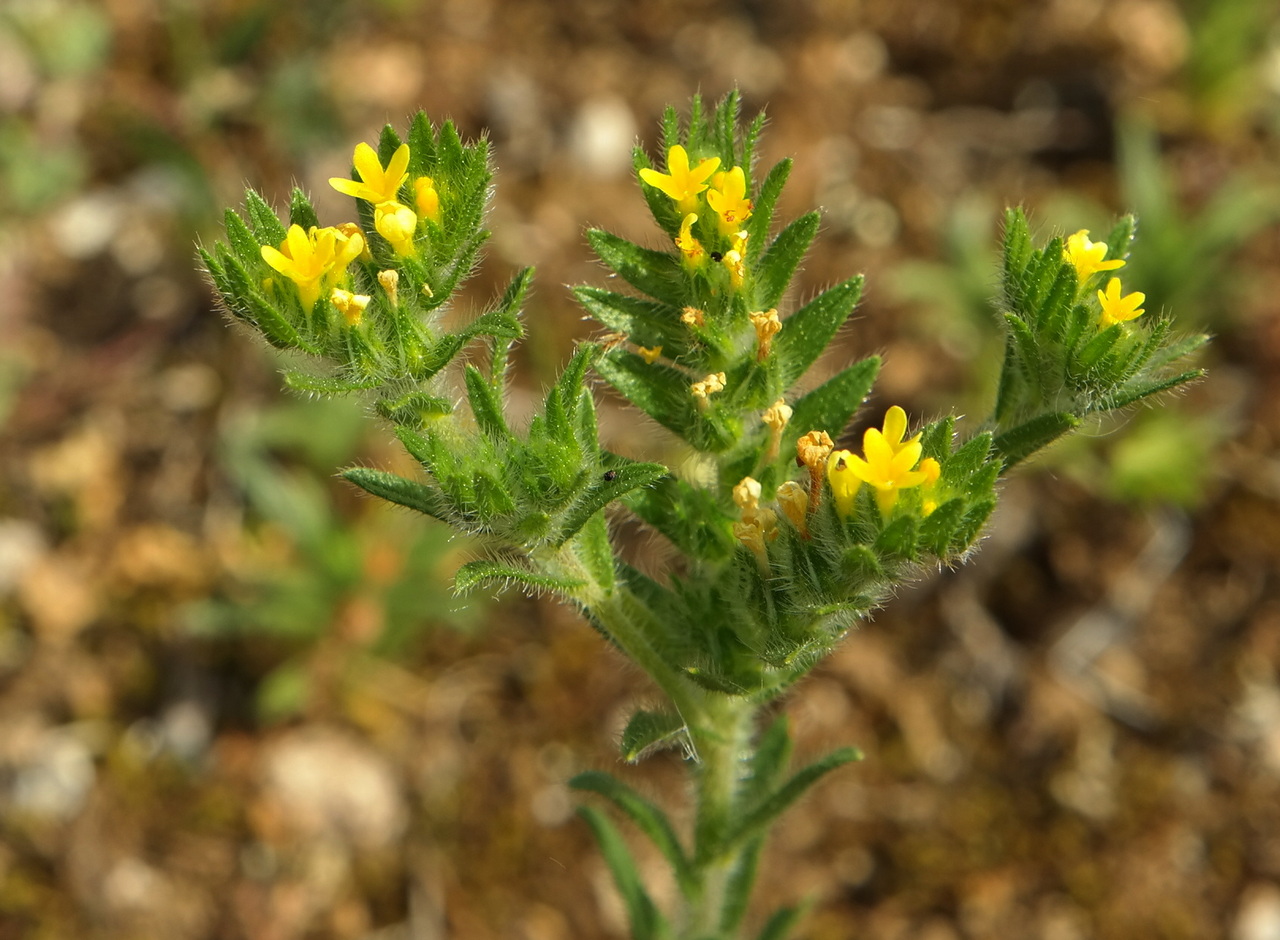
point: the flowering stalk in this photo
(779, 562)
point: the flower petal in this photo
(895, 426)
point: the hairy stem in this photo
(721, 742)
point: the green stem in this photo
(721, 742)
(623, 617)
(721, 730)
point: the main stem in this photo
(721, 729)
(721, 743)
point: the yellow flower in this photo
(396, 223)
(426, 199)
(314, 259)
(895, 429)
(735, 258)
(351, 230)
(1117, 309)
(692, 316)
(378, 185)
(649, 355)
(350, 305)
(728, 198)
(889, 464)
(932, 471)
(680, 182)
(689, 246)
(844, 484)
(1087, 255)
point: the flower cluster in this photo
(705, 192)
(316, 260)
(1087, 257)
(890, 463)
(380, 186)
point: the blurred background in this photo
(237, 701)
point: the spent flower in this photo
(351, 306)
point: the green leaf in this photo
(513, 297)
(899, 538)
(500, 322)
(1098, 347)
(648, 818)
(301, 212)
(778, 264)
(663, 394)
(655, 273)
(974, 520)
(422, 145)
(612, 484)
(1051, 314)
(737, 889)
(1026, 351)
(646, 922)
(773, 753)
(1019, 443)
(396, 489)
(863, 565)
(758, 820)
(830, 406)
(266, 227)
(1177, 349)
(689, 516)
(808, 332)
(644, 322)
(572, 379)
(961, 466)
(413, 409)
(939, 528)
(486, 406)
(781, 924)
(648, 732)
(485, 572)
(258, 310)
(1137, 391)
(242, 241)
(765, 203)
(592, 547)
(1121, 238)
(936, 438)
(326, 384)
(1017, 253)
